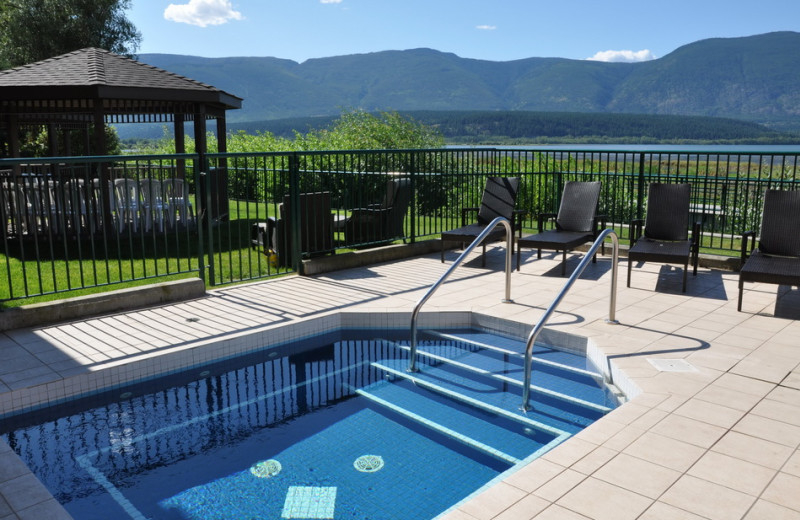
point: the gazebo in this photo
(91, 88)
(95, 87)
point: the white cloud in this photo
(623, 56)
(330, 1)
(486, 27)
(202, 12)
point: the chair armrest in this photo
(516, 220)
(635, 231)
(542, 218)
(464, 212)
(751, 237)
(697, 235)
(601, 220)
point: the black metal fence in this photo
(76, 223)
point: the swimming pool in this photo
(327, 427)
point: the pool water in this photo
(339, 430)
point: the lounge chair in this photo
(776, 260)
(316, 227)
(498, 200)
(381, 222)
(576, 223)
(666, 237)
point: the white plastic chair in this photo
(176, 193)
(127, 204)
(154, 205)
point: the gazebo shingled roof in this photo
(97, 86)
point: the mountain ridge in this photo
(752, 78)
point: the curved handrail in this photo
(526, 389)
(480, 238)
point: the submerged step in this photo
(575, 389)
(497, 394)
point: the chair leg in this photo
(629, 271)
(564, 263)
(442, 251)
(519, 255)
(685, 273)
(483, 256)
(741, 289)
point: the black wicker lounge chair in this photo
(498, 200)
(666, 237)
(576, 223)
(382, 222)
(777, 258)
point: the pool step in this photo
(559, 412)
(507, 436)
(584, 390)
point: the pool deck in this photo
(714, 434)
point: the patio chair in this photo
(316, 227)
(576, 223)
(776, 260)
(155, 207)
(127, 204)
(179, 204)
(382, 222)
(666, 237)
(498, 200)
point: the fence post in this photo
(294, 210)
(640, 190)
(413, 202)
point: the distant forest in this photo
(519, 127)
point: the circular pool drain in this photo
(266, 469)
(368, 463)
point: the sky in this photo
(495, 30)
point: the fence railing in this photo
(82, 222)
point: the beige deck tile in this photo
(594, 460)
(783, 490)
(728, 397)
(662, 511)
(769, 429)
(710, 413)
(556, 512)
(785, 395)
(765, 368)
(568, 453)
(665, 451)
(751, 449)
(792, 467)
(696, 432)
(637, 475)
(744, 384)
(763, 510)
(707, 499)
(780, 411)
(559, 485)
(733, 473)
(491, 503)
(525, 509)
(534, 475)
(602, 501)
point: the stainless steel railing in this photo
(526, 389)
(412, 367)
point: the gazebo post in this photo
(103, 172)
(180, 143)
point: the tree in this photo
(34, 30)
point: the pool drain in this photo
(266, 469)
(368, 463)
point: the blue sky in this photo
(497, 30)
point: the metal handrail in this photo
(509, 252)
(526, 389)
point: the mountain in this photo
(753, 78)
